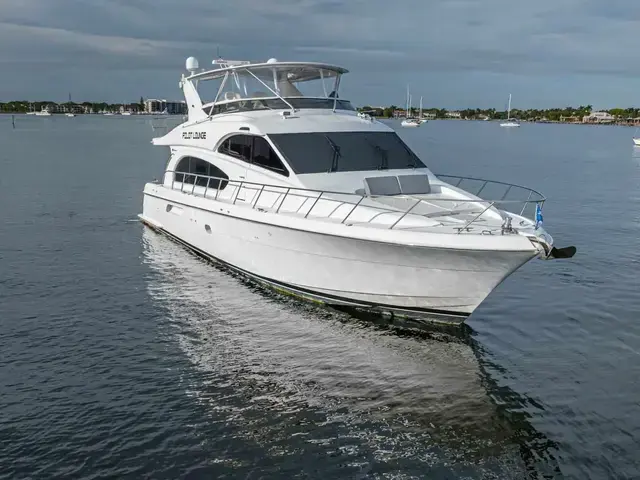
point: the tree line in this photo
(551, 114)
(23, 106)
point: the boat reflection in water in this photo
(289, 375)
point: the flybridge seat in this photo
(396, 185)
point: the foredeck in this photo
(444, 210)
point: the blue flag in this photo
(538, 215)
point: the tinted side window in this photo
(238, 146)
(200, 169)
(264, 156)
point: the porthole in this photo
(169, 207)
(207, 228)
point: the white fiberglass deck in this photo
(446, 209)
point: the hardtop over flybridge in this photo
(281, 179)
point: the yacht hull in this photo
(391, 278)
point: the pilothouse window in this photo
(237, 146)
(345, 151)
(255, 150)
(192, 169)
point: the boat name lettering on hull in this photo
(194, 135)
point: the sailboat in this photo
(636, 139)
(411, 121)
(70, 112)
(510, 122)
(422, 120)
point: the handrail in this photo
(355, 200)
(498, 182)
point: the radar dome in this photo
(192, 64)
(272, 60)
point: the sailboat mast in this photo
(420, 115)
(407, 114)
(509, 108)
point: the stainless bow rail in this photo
(229, 191)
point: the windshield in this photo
(345, 151)
(247, 105)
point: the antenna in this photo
(218, 51)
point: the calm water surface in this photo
(125, 356)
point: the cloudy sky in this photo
(456, 53)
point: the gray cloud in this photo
(545, 38)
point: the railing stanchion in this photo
(405, 214)
(506, 193)
(460, 230)
(526, 203)
(351, 211)
(314, 204)
(237, 192)
(283, 199)
(255, 204)
(482, 188)
(195, 180)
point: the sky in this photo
(455, 53)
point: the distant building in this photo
(428, 115)
(129, 108)
(153, 105)
(598, 117)
(454, 115)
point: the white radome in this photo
(192, 64)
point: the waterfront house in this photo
(598, 117)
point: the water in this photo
(124, 356)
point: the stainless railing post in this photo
(482, 188)
(475, 218)
(195, 180)
(285, 197)
(238, 192)
(506, 193)
(526, 203)
(405, 214)
(351, 211)
(255, 204)
(314, 204)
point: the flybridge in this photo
(272, 85)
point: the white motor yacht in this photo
(280, 179)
